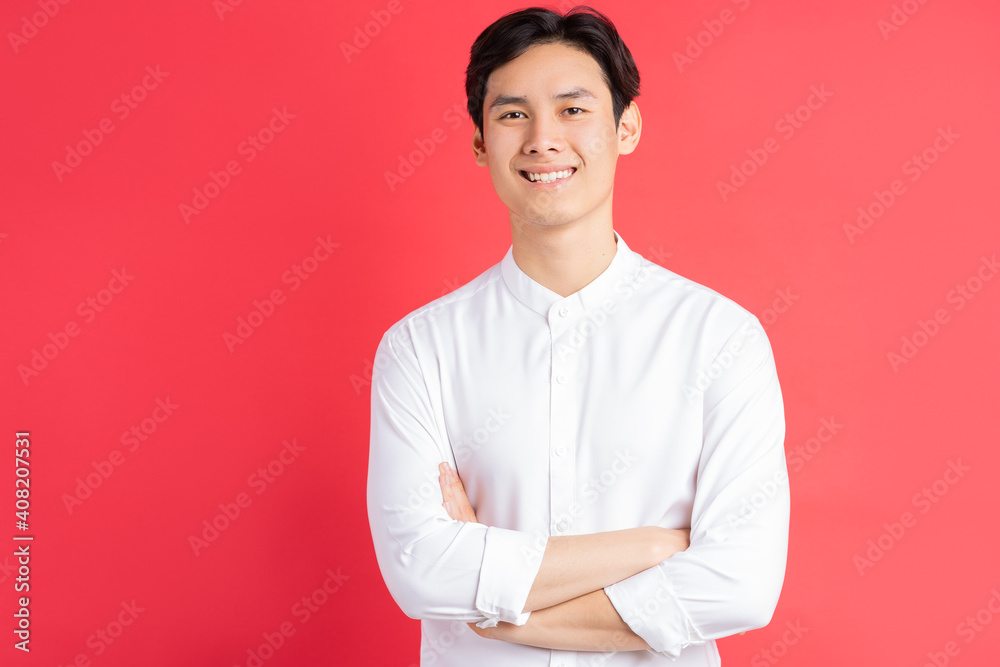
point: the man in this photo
(618, 428)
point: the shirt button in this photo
(564, 311)
(561, 379)
(560, 451)
(562, 526)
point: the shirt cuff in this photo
(649, 605)
(510, 563)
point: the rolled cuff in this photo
(649, 605)
(511, 560)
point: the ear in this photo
(479, 148)
(629, 129)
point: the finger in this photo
(445, 480)
(466, 511)
(459, 486)
(448, 497)
(458, 501)
(454, 500)
(458, 498)
(446, 492)
(454, 510)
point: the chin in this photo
(550, 219)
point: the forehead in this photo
(546, 69)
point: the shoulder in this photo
(725, 342)
(705, 309)
(404, 335)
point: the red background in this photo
(301, 373)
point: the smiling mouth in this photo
(550, 177)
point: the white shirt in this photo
(642, 399)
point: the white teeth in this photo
(549, 177)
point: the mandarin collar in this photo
(541, 299)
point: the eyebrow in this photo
(572, 94)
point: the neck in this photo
(564, 259)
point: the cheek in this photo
(600, 147)
(500, 174)
(499, 161)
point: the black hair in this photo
(582, 27)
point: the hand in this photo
(586, 623)
(679, 539)
(488, 633)
(456, 502)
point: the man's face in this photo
(549, 111)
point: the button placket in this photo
(563, 658)
(563, 419)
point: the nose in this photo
(544, 134)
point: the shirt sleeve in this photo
(434, 567)
(729, 578)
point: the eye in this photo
(577, 109)
(506, 115)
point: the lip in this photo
(548, 169)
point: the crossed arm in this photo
(727, 580)
(570, 609)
